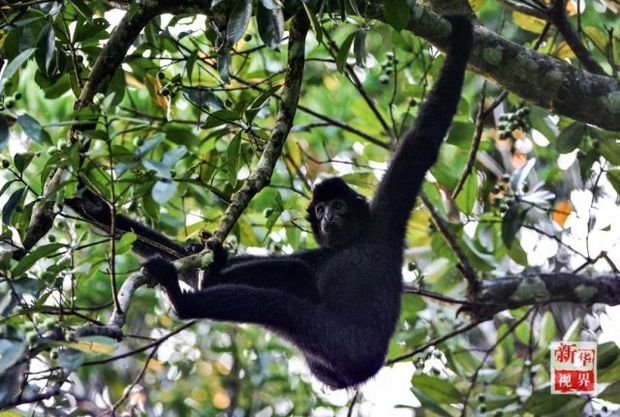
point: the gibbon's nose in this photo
(329, 214)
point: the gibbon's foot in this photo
(162, 271)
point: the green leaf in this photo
(270, 25)
(11, 204)
(611, 393)
(608, 361)
(359, 48)
(613, 175)
(540, 120)
(223, 64)
(548, 331)
(570, 138)
(32, 128)
(233, 153)
(91, 32)
(428, 403)
(511, 223)
(259, 102)
(4, 131)
(174, 155)
(163, 190)
(542, 403)
(190, 63)
(238, 21)
(11, 351)
(83, 9)
(469, 193)
(314, 23)
(41, 252)
(70, 359)
(46, 45)
(203, 98)
(22, 160)
(343, 52)
(116, 89)
(150, 206)
(396, 13)
(15, 64)
(125, 242)
(220, 117)
(606, 354)
(9, 413)
(610, 150)
(439, 390)
(517, 254)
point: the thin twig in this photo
(135, 381)
(469, 273)
(352, 403)
(471, 159)
(434, 342)
(474, 377)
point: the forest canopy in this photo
(195, 115)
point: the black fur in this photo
(340, 303)
(97, 211)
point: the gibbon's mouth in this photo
(329, 227)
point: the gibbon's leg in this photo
(327, 375)
(312, 327)
(231, 302)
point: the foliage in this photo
(179, 128)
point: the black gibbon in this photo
(338, 304)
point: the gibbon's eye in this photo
(319, 210)
(339, 206)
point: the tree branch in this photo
(512, 292)
(542, 80)
(261, 175)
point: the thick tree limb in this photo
(261, 175)
(511, 292)
(117, 319)
(539, 79)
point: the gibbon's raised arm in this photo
(419, 147)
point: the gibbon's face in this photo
(331, 215)
(337, 213)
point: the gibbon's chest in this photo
(358, 268)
